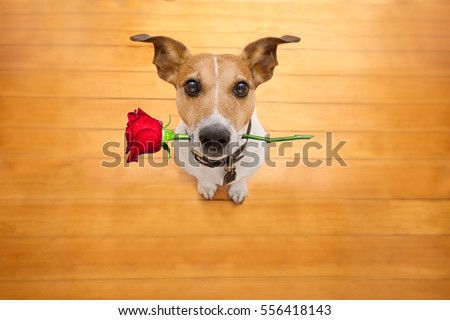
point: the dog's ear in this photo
(261, 56)
(169, 55)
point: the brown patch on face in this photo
(231, 70)
(194, 109)
(238, 111)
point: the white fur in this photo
(210, 178)
(212, 120)
(216, 85)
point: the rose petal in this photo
(149, 120)
(143, 134)
(132, 116)
(145, 122)
(136, 114)
(133, 156)
(148, 140)
(128, 135)
(141, 112)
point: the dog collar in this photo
(226, 162)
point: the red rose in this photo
(143, 134)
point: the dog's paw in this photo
(238, 191)
(206, 189)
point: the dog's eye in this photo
(241, 89)
(192, 88)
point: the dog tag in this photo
(230, 170)
(229, 177)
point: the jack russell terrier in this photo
(216, 102)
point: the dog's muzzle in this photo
(227, 162)
(214, 139)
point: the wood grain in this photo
(257, 256)
(107, 113)
(226, 24)
(301, 288)
(210, 42)
(29, 178)
(66, 143)
(375, 73)
(363, 89)
(103, 218)
(305, 62)
(355, 10)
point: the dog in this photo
(215, 97)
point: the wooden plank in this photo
(358, 145)
(348, 2)
(375, 257)
(372, 71)
(79, 219)
(230, 288)
(209, 41)
(225, 23)
(433, 10)
(109, 114)
(291, 62)
(373, 89)
(79, 178)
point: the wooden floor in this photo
(376, 73)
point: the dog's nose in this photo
(214, 138)
(215, 133)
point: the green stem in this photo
(169, 135)
(279, 139)
(168, 123)
(181, 136)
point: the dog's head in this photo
(215, 93)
